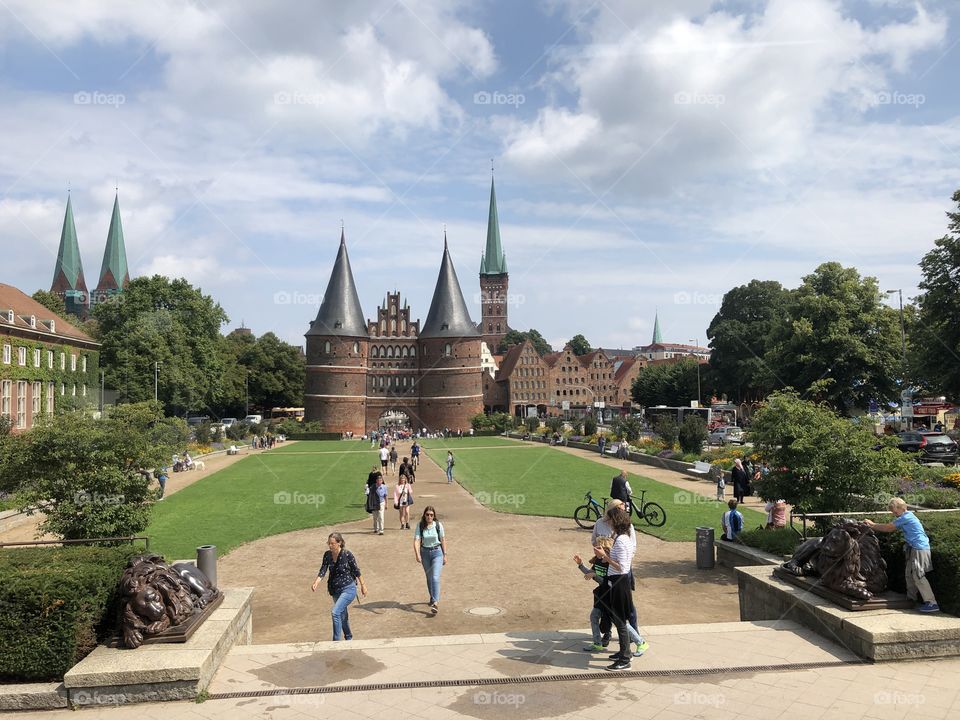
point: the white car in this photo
(227, 422)
(726, 435)
(253, 419)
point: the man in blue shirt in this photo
(919, 562)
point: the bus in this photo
(713, 416)
(282, 413)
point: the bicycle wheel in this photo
(586, 516)
(653, 514)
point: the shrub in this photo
(589, 425)
(532, 423)
(481, 421)
(780, 541)
(238, 431)
(55, 604)
(692, 434)
(555, 424)
(668, 430)
(938, 498)
(503, 422)
(202, 433)
(576, 426)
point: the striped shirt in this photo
(622, 554)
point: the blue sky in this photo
(649, 156)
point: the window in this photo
(33, 321)
(73, 392)
(83, 363)
(5, 398)
(50, 359)
(22, 356)
(36, 357)
(6, 354)
(50, 394)
(393, 326)
(22, 404)
(326, 347)
(84, 393)
(37, 389)
(73, 362)
(375, 351)
(63, 362)
(63, 389)
(447, 350)
(356, 350)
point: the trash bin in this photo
(207, 562)
(706, 557)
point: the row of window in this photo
(20, 418)
(376, 351)
(392, 382)
(38, 355)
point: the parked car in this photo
(726, 435)
(931, 446)
(197, 420)
(253, 419)
(227, 422)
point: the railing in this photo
(805, 515)
(85, 541)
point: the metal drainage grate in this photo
(530, 679)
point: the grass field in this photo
(471, 442)
(540, 480)
(322, 446)
(262, 495)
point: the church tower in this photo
(451, 390)
(68, 280)
(337, 350)
(114, 276)
(494, 281)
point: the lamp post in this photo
(156, 379)
(903, 353)
(696, 345)
(101, 392)
(246, 393)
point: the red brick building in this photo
(359, 370)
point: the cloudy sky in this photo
(649, 155)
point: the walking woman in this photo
(402, 500)
(450, 464)
(430, 550)
(617, 600)
(341, 584)
(741, 480)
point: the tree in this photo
(627, 427)
(819, 461)
(589, 425)
(672, 384)
(739, 337)
(692, 434)
(532, 423)
(54, 303)
(86, 475)
(579, 345)
(839, 330)
(554, 423)
(165, 321)
(668, 430)
(515, 337)
(936, 336)
(503, 422)
(481, 421)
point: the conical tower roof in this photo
(656, 329)
(340, 312)
(448, 316)
(68, 272)
(493, 261)
(113, 271)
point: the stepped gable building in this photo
(68, 280)
(358, 370)
(494, 282)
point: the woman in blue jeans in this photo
(430, 550)
(341, 583)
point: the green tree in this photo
(627, 427)
(579, 345)
(481, 421)
(54, 303)
(668, 430)
(85, 475)
(503, 422)
(739, 337)
(936, 335)
(165, 321)
(554, 423)
(589, 425)
(532, 423)
(819, 461)
(671, 384)
(515, 337)
(838, 330)
(692, 434)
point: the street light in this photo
(696, 345)
(156, 378)
(246, 393)
(903, 352)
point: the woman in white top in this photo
(618, 600)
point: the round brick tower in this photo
(450, 376)
(337, 348)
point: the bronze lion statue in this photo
(847, 560)
(155, 596)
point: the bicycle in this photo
(650, 512)
(587, 515)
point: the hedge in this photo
(56, 603)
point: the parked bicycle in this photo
(652, 513)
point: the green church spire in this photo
(114, 276)
(656, 329)
(68, 281)
(493, 261)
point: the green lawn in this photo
(454, 443)
(262, 495)
(322, 446)
(546, 481)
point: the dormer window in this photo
(445, 326)
(338, 324)
(9, 316)
(53, 326)
(33, 321)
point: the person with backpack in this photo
(732, 522)
(342, 583)
(430, 550)
(450, 464)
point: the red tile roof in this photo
(24, 307)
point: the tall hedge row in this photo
(55, 604)
(944, 533)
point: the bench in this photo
(700, 468)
